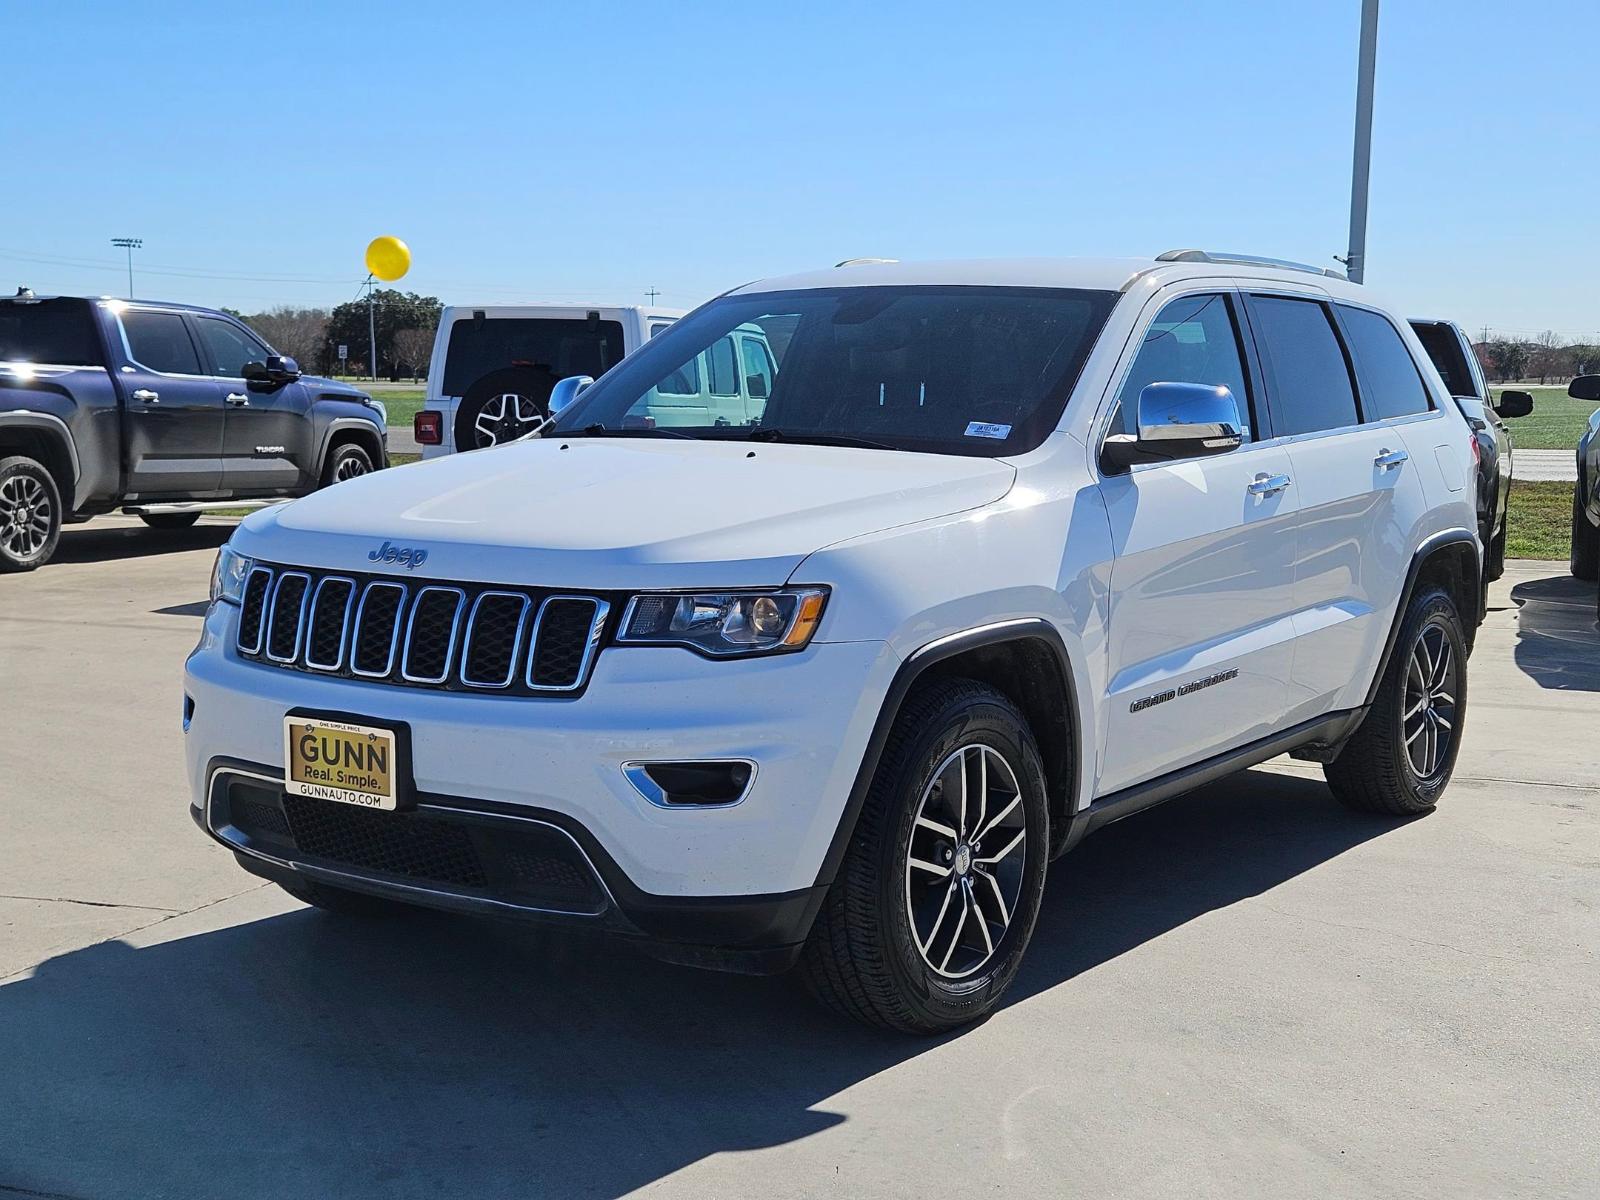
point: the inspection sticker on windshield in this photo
(988, 429)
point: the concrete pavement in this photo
(1536, 466)
(1247, 992)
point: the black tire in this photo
(343, 902)
(502, 406)
(1585, 560)
(863, 958)
(30, 515)
(169, 522)
(1377, 770)
(346, 461)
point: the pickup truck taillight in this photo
(428, 427)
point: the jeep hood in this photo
(622, 513)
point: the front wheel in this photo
(1404, 753)
(30, 514)
(346, 462)
(933, 907)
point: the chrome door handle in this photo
(238, 400)
(1268, 485)
(1388, 459)
(146, 396)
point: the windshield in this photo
(946, 370)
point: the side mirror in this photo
(1585, 387)
(1178, 420)
(1514, 404)
(566, 391)
(756, 386)
(275, 372)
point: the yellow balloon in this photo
(388, 258)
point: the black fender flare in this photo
(1473, 589)
(370, 434)
(54, 430)
(910, 671)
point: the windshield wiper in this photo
(599, 430)
(805, 437)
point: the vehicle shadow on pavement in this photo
(304, 1055)
(1558, 639)
(108, 543)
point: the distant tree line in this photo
(405, 324)
(1547, 357)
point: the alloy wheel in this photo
(350, 466)
(965, 860)
(505, 418)
(1429, 716)
(25, 516)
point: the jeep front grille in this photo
(452, 636)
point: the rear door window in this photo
(1391, 385)
(160, 341)
(1310, 388)
(758, 370)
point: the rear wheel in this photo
(169, 521)
(30, 514)
(935, 902)
(1585, 540)
(1404, 753)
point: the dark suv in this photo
(160, 410)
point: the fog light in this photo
(716, 783)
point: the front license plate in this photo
(336, 760)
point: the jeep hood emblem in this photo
(411, 557)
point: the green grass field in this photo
(1539, 519)
(1556, 422)
(401, 404)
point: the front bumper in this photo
(746, 873)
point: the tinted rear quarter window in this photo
(160, 341)
(49, 331)
(1311, 388)
(1390, 384)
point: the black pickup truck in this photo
(160, 410)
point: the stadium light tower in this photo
(130, 245)
(1355, 260)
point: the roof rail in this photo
(863, 262)
(1245, 260)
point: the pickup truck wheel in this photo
(1585, 540)
(30, 514)
(346, 462)
(503, 406)
(169, 522)
(345, 903)
(1402, 756)
(935, 902)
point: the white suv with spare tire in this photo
(1011, 550)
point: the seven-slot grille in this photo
(456, 636)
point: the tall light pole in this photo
(130, 245)
(1355, 261)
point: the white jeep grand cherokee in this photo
(1013, 549)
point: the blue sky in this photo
(591, 151)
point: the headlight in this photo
(383, 413)
(725, 623)
(229, 574)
